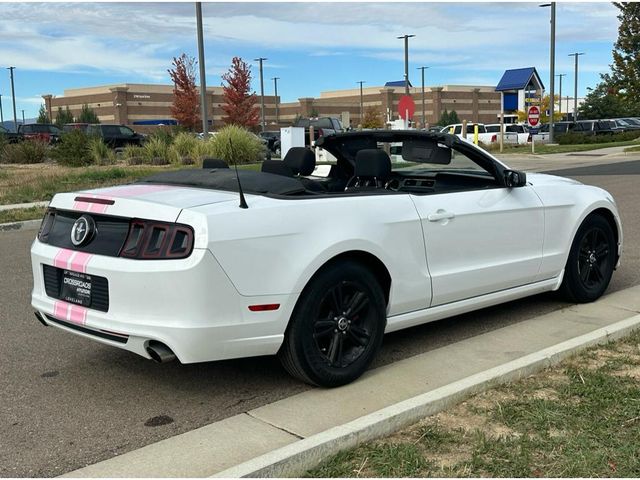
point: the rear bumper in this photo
(190, 305)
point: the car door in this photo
(480, 240)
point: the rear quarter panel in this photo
(276, 246)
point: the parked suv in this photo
(46, 132)
(116, 136)
(322, 126)
(10, 137)
(273, 140)
(69, 127)
(595, 127)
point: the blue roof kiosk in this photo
(521, 88)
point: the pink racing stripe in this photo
(78, 315)
(60, 310)
(79, 262)
(62, 258)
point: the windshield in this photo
(412, 158)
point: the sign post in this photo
(406, 108)
(533, 116)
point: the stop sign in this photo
(406, 105)
(533, 116)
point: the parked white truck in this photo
(484, 137)
(522, 133)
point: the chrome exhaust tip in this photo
(159, 352)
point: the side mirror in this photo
(514, 178)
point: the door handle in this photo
(440, 215)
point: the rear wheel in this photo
(591, 261)
(337, 326)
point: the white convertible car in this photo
(316, 269)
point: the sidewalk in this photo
(288, 437)
(23, 205)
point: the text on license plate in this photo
(76, 288)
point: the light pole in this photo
(23, 117)
(261, 59)
(406, 61)
(1, 114)
(424, 123)
(361, 104)
(13, 95)
(552, 67)
(575, 85)
(203, 81)
(560, 75)
(275, 88)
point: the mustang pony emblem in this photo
(83, 230)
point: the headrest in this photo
(300, 160)
(372, 163)
(214, 163)
(276, 167)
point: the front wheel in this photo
(337, 326)
(591, 261)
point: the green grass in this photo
(543, 149)
(633, 149)
(579, 419)
(22, 214)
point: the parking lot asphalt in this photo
(68, 402)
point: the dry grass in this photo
(31, 183)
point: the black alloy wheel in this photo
(591, 261)
(593, 258)
(343, 327)
(336, 327)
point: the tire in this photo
(591, 261)
(337, 326)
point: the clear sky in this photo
(312, 46)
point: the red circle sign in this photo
(406, 105)
(533, 116)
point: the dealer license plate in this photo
(76, 288)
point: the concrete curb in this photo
(295, 459)
(17, 206)
(26, 225)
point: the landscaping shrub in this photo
(132, 154)
(29, 151)
(100, 153)
(185, 149)
(73, 149)
(573, 138)
(235, 145)
(155, 150)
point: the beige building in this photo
(141, 105)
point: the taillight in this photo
(320, 132)
(494, 138)
(45, 226)
(151, 240)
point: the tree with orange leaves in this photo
(185, 94)
(240, 104)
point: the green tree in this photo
(604, 101)
(453, 117)
(63, 116)
(625, 71)
(444, 118)
(87, 115)
(43, 117)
